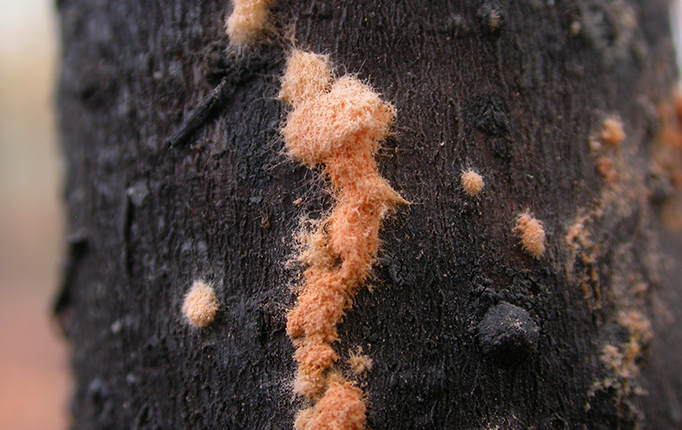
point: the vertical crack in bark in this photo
(127, 218)
(335, 124)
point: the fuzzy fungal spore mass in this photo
(335, 125)
(247, 21)
(201, 304)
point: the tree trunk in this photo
(523, 92)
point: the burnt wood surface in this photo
(511, 88)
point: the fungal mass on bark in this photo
(335, 124)
(612, 132)
(247, 21)
(531, 233)
(201, 304)
(472, 183)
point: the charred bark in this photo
(465, 330)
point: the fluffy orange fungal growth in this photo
(307, 76)
(472, 183)
(337, 125)
(612, 132)
(359, 363)
(201, 304)
(341, 408)
(247, 21)
(532, 234)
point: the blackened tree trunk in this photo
(516, 90)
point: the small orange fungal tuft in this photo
(247, 21)
(359, 363)
(201, 305)
(532, 234)
(612, 132)
(472, 183)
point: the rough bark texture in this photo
(517, 101)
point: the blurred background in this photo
(34, 379)
(34, 375)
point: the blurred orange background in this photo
(34, 375)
